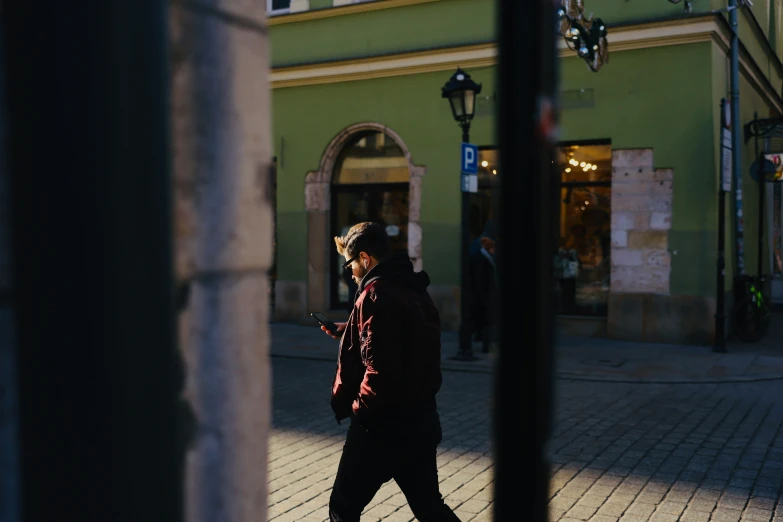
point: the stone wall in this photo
(641, 220)
(641, 306)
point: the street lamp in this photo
(461, 92)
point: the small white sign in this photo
(469, 184)
(726, 159)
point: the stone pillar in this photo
(414, 216)
(221, 157)
(640, 305)
(641, 220)
(319, 246)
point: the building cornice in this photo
(470, 56)
(681, 31)
(748, 66)
(329, 12)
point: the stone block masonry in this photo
(641, 219)
(641, 306)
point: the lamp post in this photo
(461, 92)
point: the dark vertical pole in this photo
(762, 195)
(720, 303)
(9, 413)
(92, 241)
(528, 187)
(736, 129)
(465, 352)
(273, 268)
(762, 198)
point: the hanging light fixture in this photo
(585, 35)
(688, 5)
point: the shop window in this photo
(483, 205)
(370, 183)
(582, 263)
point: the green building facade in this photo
(360, 132)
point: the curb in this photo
(567, 376)
(573, 376)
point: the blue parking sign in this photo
(469, 159)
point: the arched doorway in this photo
(370, 183)
(366, 173)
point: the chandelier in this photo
(688, 5)
(585, 35)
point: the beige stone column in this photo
(221, 158)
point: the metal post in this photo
(720, 304)
(762, 197)
(762, 194)
(720, 307)
(736, 132)
(465, 352)
(98, 371)
(524, 368)
(273, 267)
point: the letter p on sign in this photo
(469, 159)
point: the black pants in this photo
(371, 458)
(568, 297)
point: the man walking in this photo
(388, 373)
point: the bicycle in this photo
(751, 313)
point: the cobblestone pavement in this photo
(627, 452)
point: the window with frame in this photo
(275, 7)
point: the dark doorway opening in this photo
(385, 203)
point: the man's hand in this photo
(340, 328)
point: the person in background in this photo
(488, 280)
(482, 277)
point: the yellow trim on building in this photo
(625, 38)
(386, 66)
(364, 7)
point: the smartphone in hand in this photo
(325, 322)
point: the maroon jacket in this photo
(389, 363)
